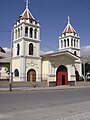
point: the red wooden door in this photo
(62, 76)
(31, 75)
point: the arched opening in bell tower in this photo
(26, 31)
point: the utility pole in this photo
(11, 74)
(84, 71)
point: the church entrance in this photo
(31, 75)
(62, 76)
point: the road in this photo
(48, 105)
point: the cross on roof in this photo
(27, 2)
(68, 19)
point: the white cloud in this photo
(85, 51)
(7, 50)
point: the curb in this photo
(21, 89)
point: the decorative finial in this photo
(26, 3)
(68, 19)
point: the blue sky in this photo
(52, 15)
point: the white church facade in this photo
(62, 67)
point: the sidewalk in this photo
(43, 88)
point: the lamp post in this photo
(11, 74)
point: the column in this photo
(66, 43)
(29, 32)
(23, 41)
(79, 43)
(70, 41)
(22, 57)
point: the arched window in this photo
(31, 32)
(68, 42)
(16, 73)
(64, 43)
(18, 49)
(30, 49)
(18, 32)
(35, 33)
(26, 31)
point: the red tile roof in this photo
(69, 29)
(27, 15)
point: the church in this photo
(59, 68)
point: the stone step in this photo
(5, 84)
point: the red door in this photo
(62, 76)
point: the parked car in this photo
(88, 76)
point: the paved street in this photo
(48, 105)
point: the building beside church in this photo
(4, 65)
(62, 67)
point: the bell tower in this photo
(26, 47)
(69, 40)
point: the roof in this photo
(69, 28)
(27, 15)
(67, 53)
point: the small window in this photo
(30, 49)
(75, 53)
(64, 34)
(26, 31)
(31, 21)
(18, 49)
(16, 72)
